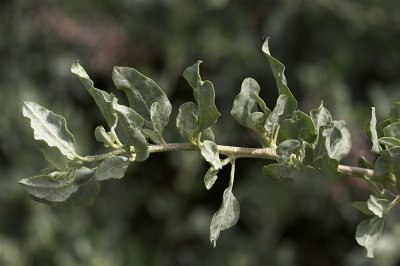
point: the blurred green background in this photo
(346, 53)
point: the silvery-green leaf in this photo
(392, 130)
(101, 135)
(277, 114)
(277, 171)
(387, 166)
(340, 144)
(131, 123)
(256, 122)
(209, 151)
(377, 206)
(374, 135)
(205, 96)
(88, 188)
(57, 187)
(364, 163)
(159, 120)
(151, 135)
(207, 134)
(389, 141)
(50, 128)
(299, 127)
(103, 99)
(285, 150)
(321, 117)
(112, 167)
(322, 151)
(187, 120)
(142, 92)
(278, 70)
(362, 206)
(226, 217)
(53, 156)
(394, 114)
(210, 177)
(368, 233)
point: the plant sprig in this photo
(295, 140)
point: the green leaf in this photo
(364, 163)
(50, 128)
(103, 100)
(340, 143)
(285, 150)
(88, 188)
(368, 233)
(394, 114)
(362, 206)
(187, 120)
(256, 122)
(300, 127)
(322, 151)
(387, 166)
(392, 130)
(55, 187)
(321, 117)
(207, 134)
(306, 156)
(278, 171)
(226, 217)
(209, 151)
(210, 177)
(112, 167)
(245, 105)
(101, 135)
(377, 206)
(142, 92)
(389, 141)
(159, 121)
(278, 70)
(205, 96)
(131, 123)
(374, 135)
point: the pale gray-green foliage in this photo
(303, 143)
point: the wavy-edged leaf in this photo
(55, 187)
(277, 115)
(159, 121)
(368, 233)
(209, 151)
(88, 188)
(103, 99)
(377, 206)
(374, 135)
(112, 167)
(50, 128)
(210, 177)
(392, 130)
(321, 117)
(101, 135)
(132, 123)
(285, 150)
(142, 92)
(53, 156)
(387, 166)
(278, 70)
(187, 120)
(300, 127)
(205, 96)
(389, 141)
(340, 143)
(322, 151)
(226, 217)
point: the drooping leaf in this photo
(392, 130)
(88, 188)
(142, 92)
(278, 171)
(112, 167)
(210, 177)
(209, 151)
(50, 128)
(394, 114)
(368, 233)
(103, 99)
(374, 135)
(321, 117)
(55, 187)
(226, 217)
(377, 206)
(205, 96)
(285, 150)
(131, 123)
(362, 206)
(278, 70)
(187, 120)
(389, 141)
(300, 127)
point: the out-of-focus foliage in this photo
(345, 53)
